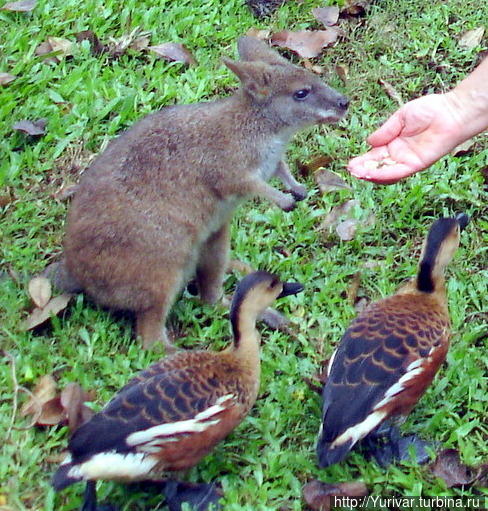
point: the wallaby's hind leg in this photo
(150, 322)
(212, 265)
(150, 328)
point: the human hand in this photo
(414, 137)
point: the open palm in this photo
(414, 137)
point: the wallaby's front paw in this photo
(287, 202)
(299, 192)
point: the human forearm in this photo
(469, 101)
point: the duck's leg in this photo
(387, 445)
(199, 496)
(90, 501)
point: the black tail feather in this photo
(61, 479)
(328, 455)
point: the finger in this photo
(361, 164)
(386, 174)
(388, 131)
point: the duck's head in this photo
(256, 292)
(439, 248)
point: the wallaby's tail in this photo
(61, 278)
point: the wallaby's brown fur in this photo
(154, 208)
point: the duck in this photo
(170, 415)
(390, 353)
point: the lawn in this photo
(88, 99)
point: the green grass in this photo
(88, 100)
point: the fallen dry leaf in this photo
(262, 35)
(346, 230)
(353, 288)
(72, 400)
(141, 42)
(328, 181)
(449, 467)
(464, 148)
(174, 52)
(317, 162)
(472, 38)
(336, 213)
(328, 16)
(306, 43)
(39, 316)
(65, 192)
(20, 6)
(62, 47)
(355, 7)
(318, 494)
(342, 72)
(6, 78)
(49, 408)
(96, 47)
(391, 91)
(44, 391)
(33, 128)
(40, 291)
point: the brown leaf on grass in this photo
(329, 181)
(391, 91)
(6, 78)
(175, 52)
(355, 7)
(58, 46)
(318, 494)
(96, 47)
(262, 35)
(317, 162)
(44, 391)
(73, 399)
(346, 230)
(337, 212)
(33, 128)
(65, 192)
(38, 316)
(464, 148)
(40, 291)
(449, 467)
(6, 198)
(472, 38)
(328, 16)
(20, 6)
(342, 72)
(313, 67)
(49, 408)
(306, 43)
(141, 42)
(353, 288)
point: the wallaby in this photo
(154, 208)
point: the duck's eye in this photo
(301, 94)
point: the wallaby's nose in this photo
(343, 102)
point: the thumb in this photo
(388, 131)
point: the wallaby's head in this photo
(285, 93)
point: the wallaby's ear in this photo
(252, 49)
(255, 78)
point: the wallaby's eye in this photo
(301, 94)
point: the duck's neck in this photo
(246, 337)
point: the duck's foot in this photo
(199, 496)
(90, 502)
(387, 446)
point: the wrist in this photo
(469, 107)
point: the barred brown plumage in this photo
(391, 352)
(172, 414)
